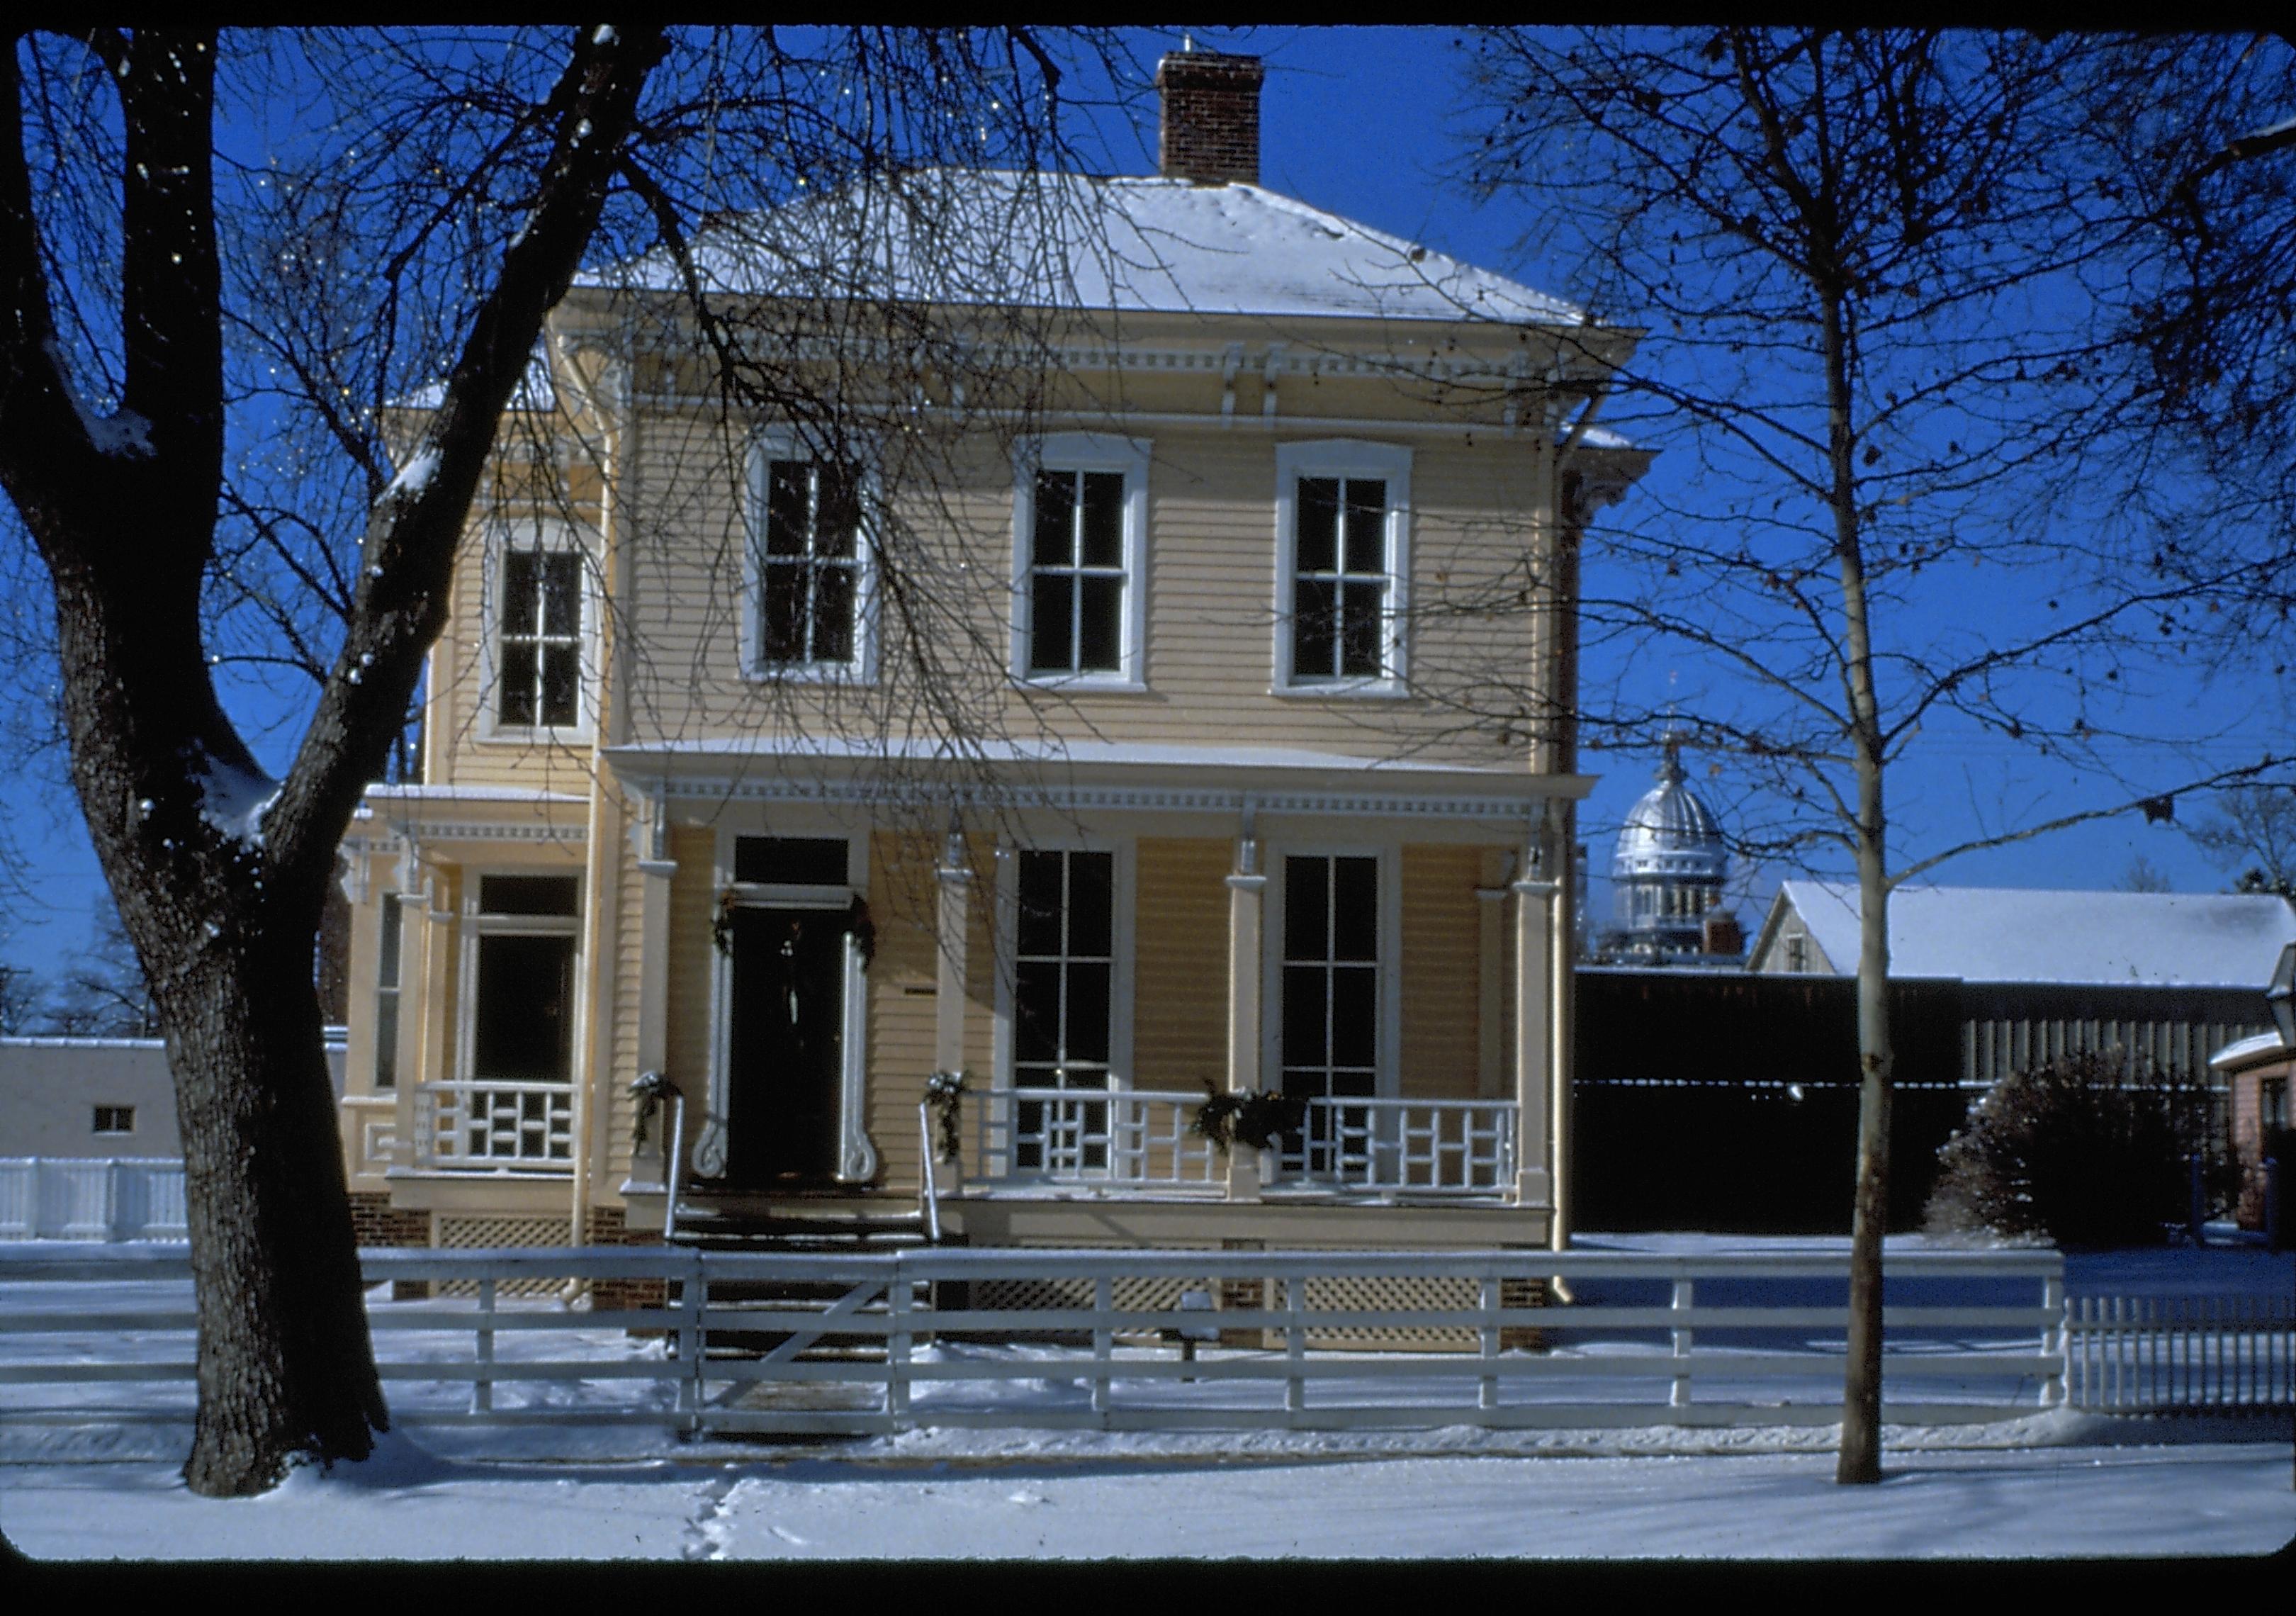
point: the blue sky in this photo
(1364, 122)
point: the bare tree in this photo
(102, 992)
(204, 357)
(1859, 262)
(2251, 833)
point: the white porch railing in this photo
(91, 1198)
(485, 1123)
(1141, 1138)
(1412, 1147)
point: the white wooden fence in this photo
(90, 1198)
(2163, 1352)
(761, 1343)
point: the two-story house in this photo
(1086, 736)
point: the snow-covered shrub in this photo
(2084, 1150)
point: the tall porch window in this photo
(1062, 1003)
(389, 931)
(1331, 968)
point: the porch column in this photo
(952, 921)
(1246, 900)
(423, 897)
(1534, 899)
(657, 871)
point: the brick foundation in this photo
(608, 1225)
(375, 1222)
(378, 1223)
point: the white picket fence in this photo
(2170, 1352)
(91, 1198)
(1102, 1340)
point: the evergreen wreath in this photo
(945, 1093)
(1255, 1120)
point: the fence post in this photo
(1679, 1397)
(482, 1388)
(693, 1294)
(2052, 1339)
(1487, 1392)
(1103, 1341)
(1295, 1344)
(898, 1299)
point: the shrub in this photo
(2083, 1150)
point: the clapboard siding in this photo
(1441, 979)
(1180, 963)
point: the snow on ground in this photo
(2050, 1485)
(2215, 1499)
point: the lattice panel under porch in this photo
(1129, 1293)
(1368, 1293)
(469, 1231)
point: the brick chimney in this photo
(1209, 130)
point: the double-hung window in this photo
(1343, 520)
(809, 598)
(1080, 504)
(539, 627)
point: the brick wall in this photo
(1209, 129)
(608, 1226)
(378, 1223)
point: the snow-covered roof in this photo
(2007, 934)
(1063, 240)
(2250, 1051)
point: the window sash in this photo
(391, 941)
(1077, 572)
(809, 566)
(1329, 1031)
(1341, 577)
(538, 674)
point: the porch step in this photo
(747, 1231)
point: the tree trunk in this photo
(286, 1364)
(1861, 1391)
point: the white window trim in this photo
(1007, 935)
(1084, 452)
(542, 533)
(1386, 1081)
(1345, 457)
(766, 446)
(476, 924)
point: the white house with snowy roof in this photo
(913, 754)
(2169, 978)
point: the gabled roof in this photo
(1062, 240)
(2006, 934)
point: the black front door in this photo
(786, 1062)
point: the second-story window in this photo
(1075, 573)
(1080, 512)
(539, 671)
(1342, 514)
(808, 565)
(1340, 577)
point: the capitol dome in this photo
(1669, 868)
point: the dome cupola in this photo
(1669, 868)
